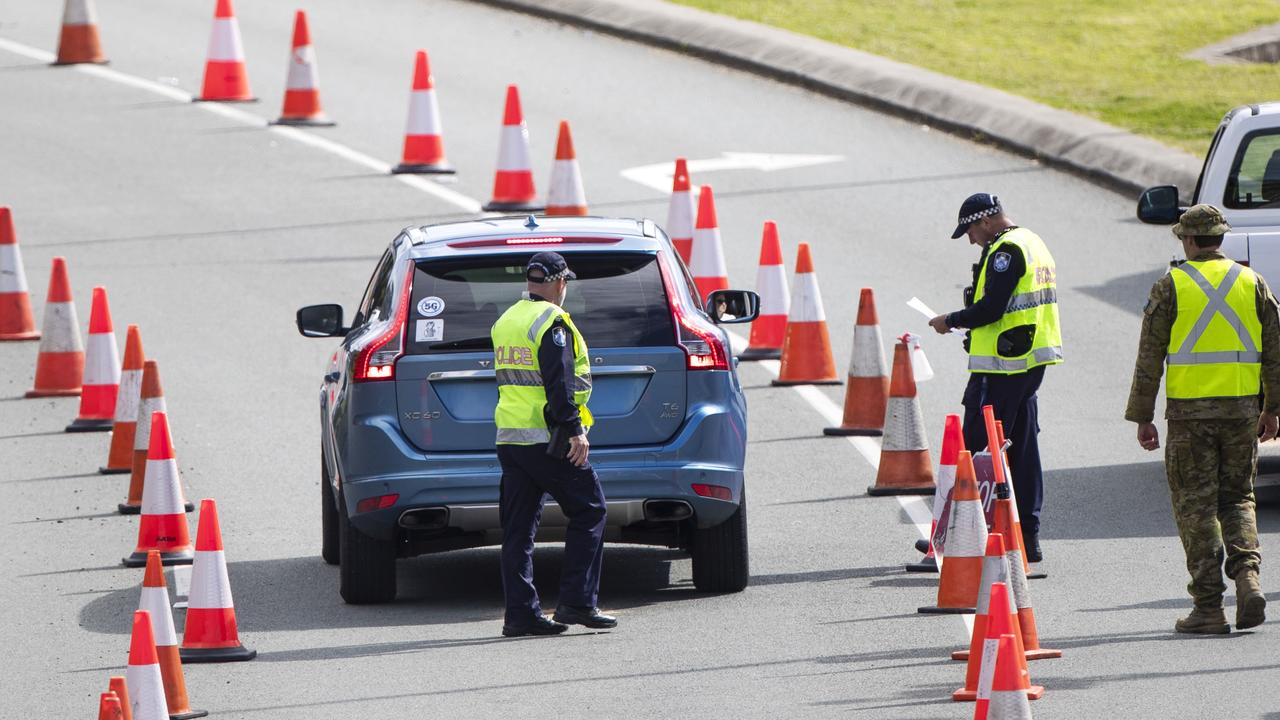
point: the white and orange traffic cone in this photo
(424, 135)
(60, 364)
(155, 600)
(101, 382)
(905, 465)
(995, 569)
(225, 77)
(302, 85)
(1000, 621)
(16, 320)
(78, 42)
(146, 686)
(952, 442)
(210, 634)
(1026, 614)
(806, 345)
(120, 686)
(124, 427)
(164, 519)
(769, 330)
(1003, 479)
(706, 256)
(965, 546)
(1009, 693)
(681, 211)
(513, 189)
(866, 393)
(150, 400)
(109, 707)
(565, 195)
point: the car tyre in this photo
(367, 565)
(328, 518)
(720, 563)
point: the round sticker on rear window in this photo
(430, 306)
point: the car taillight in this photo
(377, 359)
(695, 335)
(500, 242)
(719, 492)
(377, 502)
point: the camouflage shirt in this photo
(1157, 325)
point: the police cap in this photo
(974, 208)
(546, 267)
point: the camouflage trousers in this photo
(1211, 465)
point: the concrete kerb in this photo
(1103, 153)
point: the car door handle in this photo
(460, 375)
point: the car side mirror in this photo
(321, 321)
(729, 307)
(1159, 205)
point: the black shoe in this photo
(922, 545)
(585, 616)
(1031, 541)
(540, 625)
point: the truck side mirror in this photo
(321, 321)
(1159, 205)
(729, 307)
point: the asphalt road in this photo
(209, 232)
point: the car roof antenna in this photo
(531, 222)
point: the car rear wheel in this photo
(328, 517)
(720, 555)
(367, 565)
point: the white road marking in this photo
(658, 175)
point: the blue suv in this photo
(406, 409)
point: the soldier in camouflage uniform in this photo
(1214, 323)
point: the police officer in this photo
(1011, 312)
(1213, 323)
(544, 380)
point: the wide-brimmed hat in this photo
(1203, 219)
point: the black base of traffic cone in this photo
(180, 557)
(428, 169)
(300, 122)
(220, 100)
(928, 565)
(84, 425)
(113, 471)
(238, 653)
(846, 432)
(946, 611)
(760, 354)
(493, 206)
(909, 490)
(189, 714)
(127, 509)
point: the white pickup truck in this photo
(1241, 175)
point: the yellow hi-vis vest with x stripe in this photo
(517, 335)
(1034, 303)
(1213, 349)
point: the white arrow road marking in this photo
(658, 175)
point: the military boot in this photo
(1250, 602)
(1204, 621)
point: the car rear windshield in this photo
(618, 300)
(1255, 173)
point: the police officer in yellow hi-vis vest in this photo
(1011, 312)
(543, 374)
(1211, 324)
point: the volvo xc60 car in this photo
(406, 408)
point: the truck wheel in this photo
(720, 555)
(367, 566)
(328, 517)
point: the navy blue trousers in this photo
(1013, 397)
(527, 473)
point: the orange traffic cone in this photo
(109, 707)
(806, 346)
(964, 546)
(120, 687)
(995, 569)
(770, 328)
(681, 211)
(995, 438)
(78, 42)
(225, 78)
(146, 686)
(1008, 696)
(424, 135)
(60, 364)
(302, 86)
(164, 520)
(565, 195)
(905, 465)
(1018, 580)
(120, 456)
(101, 382)
(513, 183)
(210, 634)
(952, 441)
(999, 622)
(16, 320)
(706, 255)
(150, 400)
(155, 600)
(866, 395)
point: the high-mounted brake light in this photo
(377, 359)
(508, 242)
(695, 335)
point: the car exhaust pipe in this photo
(435, 518)
(667, 510)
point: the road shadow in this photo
(1128, 292)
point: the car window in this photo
(377, 298)
(1254, 181)
(618, 300)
